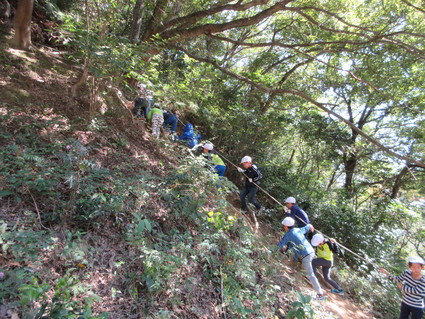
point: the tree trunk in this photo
(137, 21)
(75, 87)
(350, 163)
(5, 13)
(157, 15)
(398, 182)
(22, 25)
(332, 179)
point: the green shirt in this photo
(325, 252)
(154, 111)
(217, 160)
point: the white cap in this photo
(416, 260)
(317, 239)
(208, 146)
(288, 221)
(246, 159)
(290, 200)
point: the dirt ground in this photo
(26, 79)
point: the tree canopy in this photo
(326, 96)
(305, 52)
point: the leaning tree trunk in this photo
(398, 182)
(137, 21)
(22, 25)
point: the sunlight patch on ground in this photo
(4, 83)
(341, 307)
(23, 55)
(35, 76)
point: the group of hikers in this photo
(146, 108)
(314, 252)
(298, 231)
(299, 241)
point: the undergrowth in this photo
(161, 239)
(179, 242)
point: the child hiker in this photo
(155, 115)
(300, 216)
(141, 103)
(214, 159)
(412, 285)
(253, 175)
(189, 135)
(302, 251)
(170, 122)
(325, 250)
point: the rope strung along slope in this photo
(279, 203)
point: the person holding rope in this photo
(325, 250)
(346, 249)
(412, 284)
(211, 155)
(295, 241)
(252, 175)
(296, 212)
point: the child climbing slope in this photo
(412, 284)
(325, 250)
(156, 116)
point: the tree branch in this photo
(178, 35)
(196, 16)
(307, 98)
(293, 47)
(413, 6)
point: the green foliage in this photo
(191, 237)
(180, 234)
(10, 284)
(74, 251)
(385, 292)
(220, 220)
(51, 171)
(62, 304)
(93, 42)
(302, 308)
(23, 244)
(66, 298)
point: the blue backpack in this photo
(190, 136)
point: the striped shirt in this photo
(413, 289)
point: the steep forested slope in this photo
(99, 220)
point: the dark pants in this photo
(170, 121)
(251, 191)
(326, 270)
(406, 310)
(138, 112)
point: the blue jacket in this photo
(296, 241)
(170, 120)
(297, 213)
(190, 136)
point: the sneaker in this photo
(321, 297)
(260, 211)
(337, 291)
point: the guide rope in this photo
(279, 203)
